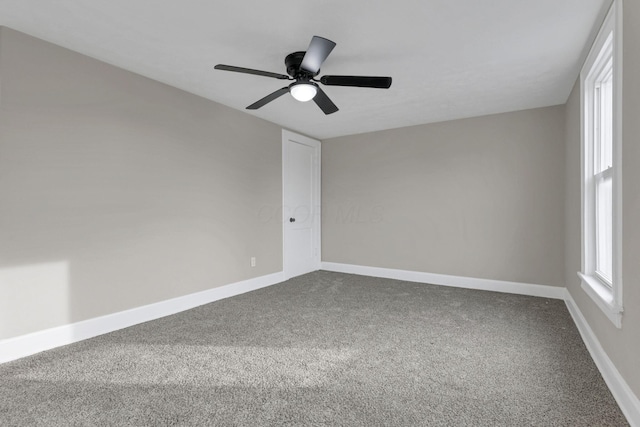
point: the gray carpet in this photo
(325, 349)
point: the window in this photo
(601, 165)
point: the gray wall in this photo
(480, 197)
(117, 191)
(622, 345)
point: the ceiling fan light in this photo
(303, 92)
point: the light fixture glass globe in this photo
(303, 92)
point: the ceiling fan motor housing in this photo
(293, 61)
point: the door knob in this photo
(292, 220)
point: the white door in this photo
(301, 204)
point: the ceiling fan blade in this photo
(326, 105)
(317, 52)
(359, 81)
(267, 99)
(251, 71)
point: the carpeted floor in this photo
(325, 349)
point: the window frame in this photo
(607, 294)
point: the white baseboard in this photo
(25, 345)
(627, 400)
(554, 292)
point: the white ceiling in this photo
(449, 59)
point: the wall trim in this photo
(25, 345)
(627, 400)
(545, 291)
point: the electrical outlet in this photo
(253, 261)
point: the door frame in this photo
(316, 196)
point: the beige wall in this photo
(480, 197)
(117, 191)
(622, 345)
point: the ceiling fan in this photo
(303, 67)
